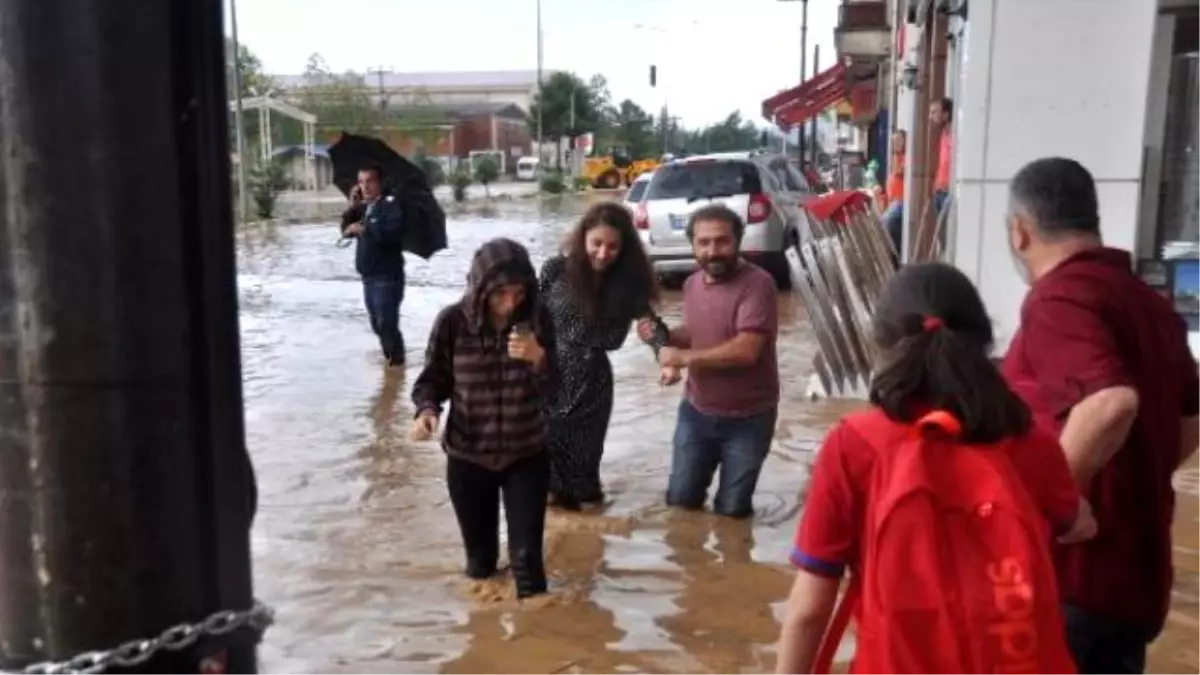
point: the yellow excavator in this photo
(615, 169)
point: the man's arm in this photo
(1078, 367)
(744, 349)
(809, 608)
(1096, 428)
(1189, 438)
(679, 337)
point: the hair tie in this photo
(931, 323)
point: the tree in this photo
(732, 133)
(266, 182)
(486, 171)
(418, 118)
(669, 135)
(254, 81)
(565, 98)
(633, 127)
(434, 174)
(340, 102)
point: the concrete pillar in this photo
(125, 485)
(1027, 92)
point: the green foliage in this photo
(340, 102)
(459, 182)
(732, 133)
(432, 168)
(633, 128)
(553, 182)
(626, 124)
(486, 171)
(555, 102)
(266, 182)
(581, 183)
(254, 81)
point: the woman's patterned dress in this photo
(579, 415)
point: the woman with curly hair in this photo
(600, 283)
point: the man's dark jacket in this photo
(379, 250)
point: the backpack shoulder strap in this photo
(823, 662)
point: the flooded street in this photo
(356, 544)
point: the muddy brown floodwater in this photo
(356, 545)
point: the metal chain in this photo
(174, 639)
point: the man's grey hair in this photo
(1059, 195)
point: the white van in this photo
(527, 168)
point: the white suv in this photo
(761, 187)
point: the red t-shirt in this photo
(1088, 325)
(716, 312)
(945, 154)
(828, 536)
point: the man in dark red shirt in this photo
(1103, 361)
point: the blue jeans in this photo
(1102, 645)
(893, 222)
(382, 294)
(738, 445)
(939, 201)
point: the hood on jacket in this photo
(499, 262)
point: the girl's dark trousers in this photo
(476, 491)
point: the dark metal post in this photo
(813, 148)
(126, 493)
(803, 74)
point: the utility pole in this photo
(379, 72)
(238, 120)
(541, 102)
(813, 147)
(803, 69)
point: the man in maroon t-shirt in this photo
(1103, 360)
(727, 345)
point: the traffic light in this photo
(653, 76)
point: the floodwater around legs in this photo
(356, 545)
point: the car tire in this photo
(776, 264)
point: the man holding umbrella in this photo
(379, 258)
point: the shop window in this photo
(1179, 205)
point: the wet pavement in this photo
(356, 544)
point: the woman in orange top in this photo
(893, 217)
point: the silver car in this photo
(761, 187)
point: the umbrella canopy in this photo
(425, 222)
(353, 153)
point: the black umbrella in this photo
(353, 153)
(425, 229)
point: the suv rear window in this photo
(636, 191)
(699, 180)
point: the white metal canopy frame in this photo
(265, 105)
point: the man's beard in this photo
(719, 267)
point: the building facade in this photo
(476, 112)
(1120, 95)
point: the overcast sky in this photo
(713, 56)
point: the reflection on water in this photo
(356, 544)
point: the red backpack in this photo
(956, 574)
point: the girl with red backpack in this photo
(940, 501)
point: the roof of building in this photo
(498, 108)
(500, 79)
(319, 150)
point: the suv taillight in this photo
(641, 219)
(759, 210)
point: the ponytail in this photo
(933, 366)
